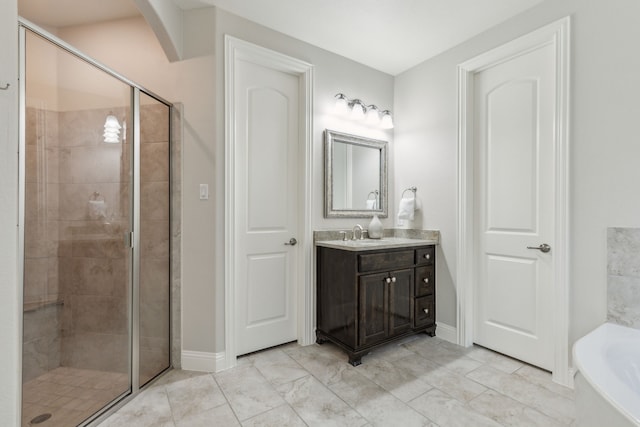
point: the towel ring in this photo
(375, 195)
(6, 86)
(414, 189)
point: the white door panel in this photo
(261, 291)
(519, 315)
(266, 205)
(267, 150)
(512, 157)
(514, 133)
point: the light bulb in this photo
(341, 105)
(357, 109)
(387, 121)
(373, 116)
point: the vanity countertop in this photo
(375, 244)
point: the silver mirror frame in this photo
(331, 137)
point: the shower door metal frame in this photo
(134, 238)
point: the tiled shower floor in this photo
(70, 395)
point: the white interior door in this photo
(514, 104)
(266, 205)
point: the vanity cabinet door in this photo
(373, 316)
(400, 301)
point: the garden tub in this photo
(607, 383)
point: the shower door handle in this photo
(128, 239)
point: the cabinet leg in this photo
(431, 332)
(355, 361)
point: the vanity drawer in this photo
(426, 255)
(425, 280)
(425, 312)
(385, 261)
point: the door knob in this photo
(542, 248)
(292, 242)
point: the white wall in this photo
(604, 145)
(10, 309)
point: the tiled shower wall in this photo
(42, 309)
(154, 244)
(623, 281)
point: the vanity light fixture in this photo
(357, 109)
(112, 129)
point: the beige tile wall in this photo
(154, 240)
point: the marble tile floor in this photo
(70, 395)
(420, 381)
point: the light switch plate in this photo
(204, 191)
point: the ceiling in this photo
(66, 13)
(388, 35)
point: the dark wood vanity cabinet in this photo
(366, 299)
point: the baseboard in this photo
(447, 332)
(202, 361)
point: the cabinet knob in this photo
(393, 279)
(427, 256)
(426, 311)
(425, 280)
(388, 280)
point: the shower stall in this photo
(95, 234)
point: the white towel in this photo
(97, 209)
(371, 203)
(407, 208)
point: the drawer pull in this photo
(393, 279)
(426, 311)
(388, 280)
(425, 280)
(427, 256)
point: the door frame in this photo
(557, 34)
(239, 49)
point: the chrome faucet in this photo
(356, 228)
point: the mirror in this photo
(355, 170)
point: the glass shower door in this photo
(77, 213)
